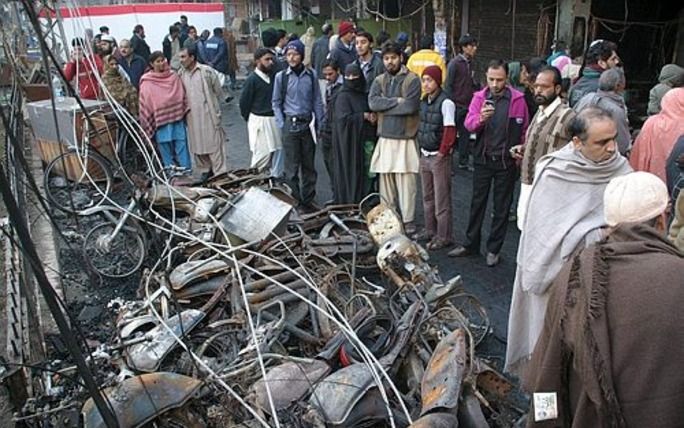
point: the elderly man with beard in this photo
(257, 110)
(564, 214)
(499, 117)
(395, 97)
(547, 132)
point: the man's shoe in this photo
(229, 98)
(459, 251)
(492, 259)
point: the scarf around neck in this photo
(565, 206)
(162, 100)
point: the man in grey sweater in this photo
(395, 97)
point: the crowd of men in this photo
(598, 279)
(174, 93)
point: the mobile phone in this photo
(489, 103)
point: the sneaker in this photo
(460, 251)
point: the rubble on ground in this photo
(248, 313)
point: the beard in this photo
(543, 100)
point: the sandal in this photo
(438, 244)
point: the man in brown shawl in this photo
(608, 355)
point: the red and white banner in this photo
(156, 18)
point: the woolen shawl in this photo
(565, 209)
(162, 100)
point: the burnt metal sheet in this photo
(336, 396)
(196, 270)
(147, 356)
(443, 379)
(470, 412)
(289, 382)
(140, 399)
(436, 420)
(255, 215)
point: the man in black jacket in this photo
(460, 86)
(172, 45)
(344, 52)
(138, 43)
(256, 108)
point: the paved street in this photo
(491, 285)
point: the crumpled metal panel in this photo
(147, 356)
(441, 386)
(140, 399)
(336, 396)
(255, 215)
(288, 382)
(436, 420)
(196, 270)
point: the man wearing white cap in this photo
(607, 352)
(564, 213)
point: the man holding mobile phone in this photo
(499, 117)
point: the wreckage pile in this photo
(251, 314)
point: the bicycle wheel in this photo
(114, 256)
(74, 181)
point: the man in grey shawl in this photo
(565, 212)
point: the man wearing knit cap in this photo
(614, 322)
(296, 103)
(436, 137)
(344, 52)
(564, 213)
(395, 97)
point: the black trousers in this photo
(300, 153)
(463, 143)
(325, 141)
(490, 174)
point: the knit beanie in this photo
(634, 198)
(345, 28)
(435, 72)
(296, 45)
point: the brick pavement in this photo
(493, 286)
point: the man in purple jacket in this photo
(498, 116)
(460, 86)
